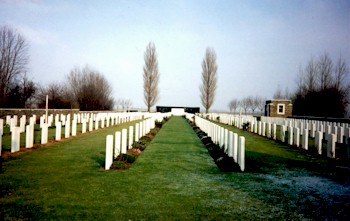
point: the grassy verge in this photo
(174, 179)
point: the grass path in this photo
(173, 179)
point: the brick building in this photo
(278, 108)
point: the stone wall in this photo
(38, 112)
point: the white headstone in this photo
(226, 141)
(305, 141)
(137, 127)
(83, 127)
(91, 124)
(290, 135)
(230, 144)
(318, 141)
(268, 131)
(58, 131)
(131, 136)
(74, 127)
(283, 133)
(15, 139)
(274, 131)
(29, 135)
(109, 152)
(296, 136)
(124, 139)
(340, 134)
(44, 133)
(117, 143)
(67, 129)
(235, 147)
(331, 139)
(241, 153)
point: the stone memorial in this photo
(241, 153)
(109, 152)
(131, 136)
(318, 141)
(44, 133)
(331, 139)
(305, 141)
(124, 139)
(15, 139)
(117, 144)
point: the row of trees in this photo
(323, 88)
(151, 77)
(247, 104)
(83, 88)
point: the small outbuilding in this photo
(278, 108)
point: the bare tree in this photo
(341, 75)
(58, 94)
(245, 104)
(310, 76)
(209, 79)
(261, 103)
(233, 105)
(150, 76)
(90, 89)
(325, 67)
(255, 103)
(329, 96)
(13, 60)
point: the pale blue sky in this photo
(260, 45)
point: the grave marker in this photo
(109, 152)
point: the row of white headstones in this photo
(233, 145)
(331, 132)
(124, 139)
(89, 121)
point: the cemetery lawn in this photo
(173, 179)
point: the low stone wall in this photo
(38, 112)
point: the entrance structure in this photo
(177, 110)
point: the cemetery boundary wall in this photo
(30, 112)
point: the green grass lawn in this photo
(173, 179)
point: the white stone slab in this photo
(131, 137)
(74, 127)
(235, 147)
(230, 144)
(274, 127)
(137, 128)
(29, 136)
(241, 153)
(44, 133)
(290, 135)
(331, 139)
(305, 141)
(124, 140)
(318, 141)
(67, 129)
(15, 139)
(296, 136)
(58, 134)
(109, 152)
(117, 144)
(283, 133)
